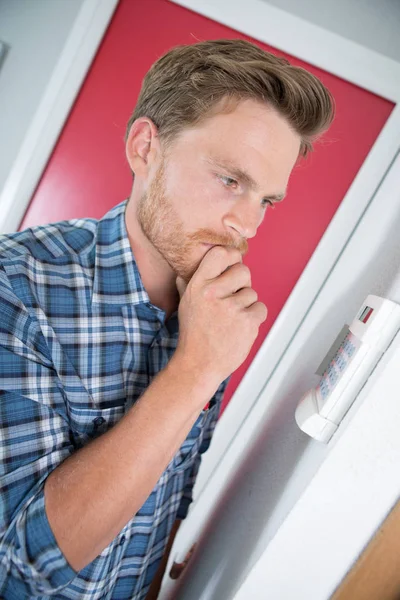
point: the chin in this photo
(186, 263)
(186, 271)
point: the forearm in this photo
(93, 494)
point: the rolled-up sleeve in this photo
(34, 440)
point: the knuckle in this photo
(236, 252)
(220, 250)
(259, 312)
(232, 252)
(245, 269)
(263, 311)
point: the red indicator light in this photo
(366, 313)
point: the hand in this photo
(219, 315)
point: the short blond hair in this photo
(190, 83)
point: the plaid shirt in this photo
(79, 343)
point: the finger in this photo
(216, 261)
(259, 311)
(238, 276)
(245, 297)
(181, 286)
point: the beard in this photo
(164, 229)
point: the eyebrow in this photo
(242, 176)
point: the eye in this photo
(228, 181)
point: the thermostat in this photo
(321, 409)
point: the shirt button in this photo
(122, 540)
(98, 421)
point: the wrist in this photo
(200, 383)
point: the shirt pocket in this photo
(88, 423)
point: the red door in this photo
(87, 173)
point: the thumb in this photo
(181, 286)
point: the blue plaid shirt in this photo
(79, 343)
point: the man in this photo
(118, 336)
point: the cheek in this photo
(210, 200)
(198, 203)
(206, 207)
(198, 197)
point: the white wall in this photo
(344, 505)
(374, 24)
(35, 31)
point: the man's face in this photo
(216, 183)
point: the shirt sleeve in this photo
(34, 440)
(187, 497)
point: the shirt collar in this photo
(116, 275)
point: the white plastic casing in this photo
(310, 421)
(321, 410)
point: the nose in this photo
(244, 218)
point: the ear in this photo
(142, 147)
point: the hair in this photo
(193, 82)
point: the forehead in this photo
(252, 136)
